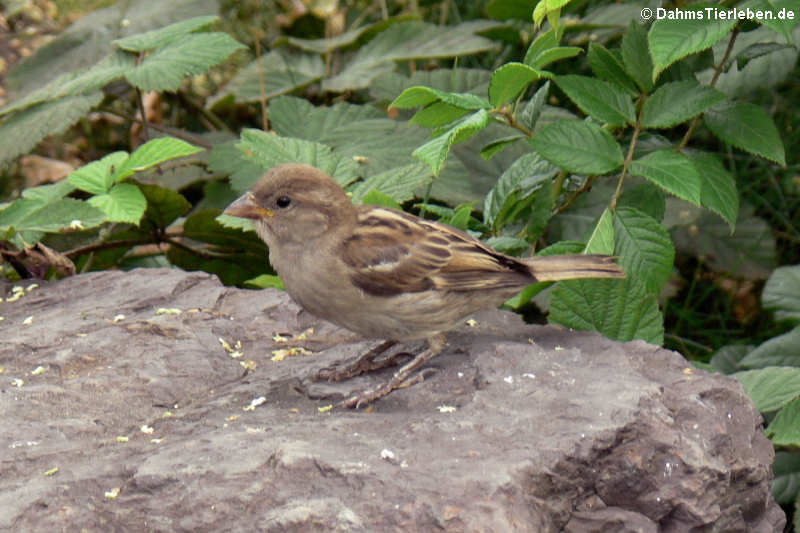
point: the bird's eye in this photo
(283, 201)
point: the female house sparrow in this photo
(384, 273)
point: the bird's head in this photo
(294, 203)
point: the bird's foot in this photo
(368, 396)
(365, 363)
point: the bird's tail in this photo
(561, 267)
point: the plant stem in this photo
(628, 158)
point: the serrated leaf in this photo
(543, 42)
(748, 127)
(770, 388)
(37, 215)
(410, 40)
(533, 109)
(163, 36)
(329, 44)
(153, 153)
(421, 96)
(498, 145)
(677, 102)
(777, 351)
(609, 67)
(784, 430)
(597, 98)
(647, 198)
(458, 80)
(718, 187)
(644, 247)
(671, 171)
(525, 175)
(622, 310)
(269, 150)
(437, 114)
(164, 205)
(48, 193)
(748, 253)
(187, 55)
(786, 481)
(782, 293)
(434, 152)
(552, 55)
(226, 158)
(509, 81)
(124, 202)
(279, 72)
(508, 245)
(636, 58)
(398, 183)
(375, 197)
(671, 40)
(726, 359)
(578, 147)
(97, 177)
(23, 130)
(601, 241)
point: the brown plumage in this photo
(384, 273)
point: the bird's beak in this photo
(246, 207)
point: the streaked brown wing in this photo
(393, 252)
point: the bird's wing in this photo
(393, 252)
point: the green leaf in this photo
(163, 36)
(509, 81)
(609, 67)
(226, 158)
(153, 153)
(421, 96)
(434, 152)
(647, 198)
(265, 281)
(375, 197)
(718, 187)
(597, 98)
(677, 102)
(409, 40)
(636, 57)
(97, 177)
(601, 241)
(672, 171)
(271, 150)
(328, 45)
(543, 42)
(522, 193)
(622, 310)
(749, 252)
(510, 9)
(458, 80)
(530, 113)
(278, 72)
(76, 83)
(726, 359)
(771, 388)
(398, 183)
(508, 245)
(671, 40)
(554, 54)
(498, 145)
(786, 483)
(164, 205)
(784, 430)
(23, 130)
(460, 218)
(49, 193)
(578, 147)
(782, 293)
(49, 217)
(187, 55)
(748, 127)
(124, 202)
(777, 351)
(437, 114)
(644, 247)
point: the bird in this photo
(384, 273)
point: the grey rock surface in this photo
(522, 428)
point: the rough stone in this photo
(522, 428)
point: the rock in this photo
(522, 428)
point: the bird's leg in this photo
(402, 378)
(365, 363)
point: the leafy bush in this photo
(592, 131)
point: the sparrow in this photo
(384, 273)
